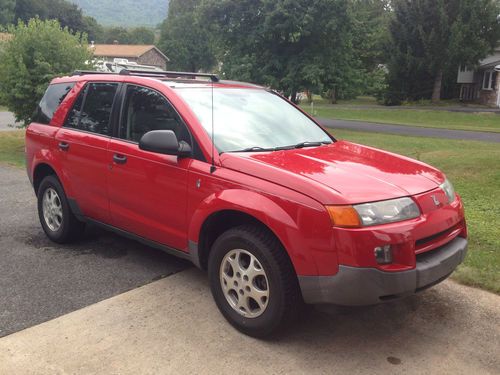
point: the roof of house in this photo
(491, 61)
(5, 37)
(124, 50)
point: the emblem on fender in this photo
(435, 200)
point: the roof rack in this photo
(153, 73)
(170, 74)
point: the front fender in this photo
(304, 231)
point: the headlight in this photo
(448, 190)
(367, 214)
(387, 211)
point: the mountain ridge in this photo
(129, 13)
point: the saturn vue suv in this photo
(244, 184)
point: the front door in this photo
(148, 191)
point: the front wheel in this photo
(253, 281)
(58, 222)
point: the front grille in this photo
(438, 239)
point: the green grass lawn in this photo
(3, 108)
(473, 167)
(489, 122)
(12, 147)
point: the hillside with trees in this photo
(125, 13)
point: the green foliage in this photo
(7, 11)
(288, 45)
(142, 35)
(138, 35)
(39, 51)
(125, 13)
(431, 37)
(185, 39)
(92, 28)
(370, 35)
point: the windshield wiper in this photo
(281, 148)
(255, 148)
(304, 144)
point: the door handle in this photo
(63, 146)
(119, 159)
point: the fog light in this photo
(383, 254)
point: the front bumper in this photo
(366, 286)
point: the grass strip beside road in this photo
(473, 167)
(484, 121)
(12, 148)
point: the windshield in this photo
(252, 120)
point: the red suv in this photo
(244, 184)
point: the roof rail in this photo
(83, 72)
(151, 73)
(171, 74)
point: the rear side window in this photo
(92, 109)
(51, 100)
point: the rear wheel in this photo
(58, 222)
(253, 281)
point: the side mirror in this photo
(164, 142)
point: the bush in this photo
(39, 51)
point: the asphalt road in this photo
(410, 130)
(7, 119)
(40, 280)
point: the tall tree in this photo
(185, 39)
(39, 51)
(432, 37)
(289, 45)
(7, 11)
(142, 35)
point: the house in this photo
(140, 54)
(5, 37)
(482, 84)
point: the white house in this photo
(481, 84)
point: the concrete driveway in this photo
(85, 312)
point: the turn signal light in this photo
(344, 216)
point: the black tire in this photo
(285, 299)
(70, 227)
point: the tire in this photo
(253, 258)
(56, 218)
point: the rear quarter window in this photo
(51, 100)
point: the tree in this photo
(7, 11)
(142, 35)
(116, 34)
(92, 28)
(432, 37)
(288, 45)
(185, 39)
(39, 51)
(67, 13)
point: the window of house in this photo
(145, 110)
(489, 80)
(92, 109)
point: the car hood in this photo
(339, 173)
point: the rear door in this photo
(83, 143)
(148, 191)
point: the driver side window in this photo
(145, 110)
